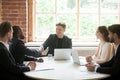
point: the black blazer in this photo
(52, 43)
(8, 68)
(112, 67)
(20, 52)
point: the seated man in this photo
(19, 51)
(111, 67)
(58, 40)
(8, 68)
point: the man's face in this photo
(10, 34)
(60, 30)
(111, 37)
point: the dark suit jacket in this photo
(52, 43)
(20, 52)
(112, 67)
(8, 68)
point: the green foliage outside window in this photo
(82, 18)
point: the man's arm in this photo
(7, 64)
(107, 64)
(47, 42)
(114, 68)
(29, 58)
(26, 51)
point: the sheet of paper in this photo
(44, 66)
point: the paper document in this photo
(44, 66)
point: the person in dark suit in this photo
(111, 67)
(8, 68)
(58, 40)
(18, 49)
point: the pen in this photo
(45, 69)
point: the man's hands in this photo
(89, 59)
(40, 60)
(42, 49)
(32, 65)
(90, 66)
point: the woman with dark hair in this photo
(112, 67)
(105, 49)
(18, 49)
(9, 70)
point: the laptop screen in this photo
(63, 54)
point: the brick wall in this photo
(0, 9)
(15, 11)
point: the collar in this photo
(116, 47)
(5, 44)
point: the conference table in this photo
(63, 70)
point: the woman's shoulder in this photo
(109, 44)
(17, 41)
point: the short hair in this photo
(61, 24)
(115, 28)
(104, 31)
(5, 27)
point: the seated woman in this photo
(105, 49)
(18, 49)
(58, 40)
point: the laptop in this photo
(62, 54)
(78, 60)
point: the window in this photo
(82, 17)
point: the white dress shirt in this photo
(116, 48)
(5, 44)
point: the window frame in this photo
(32, 20)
